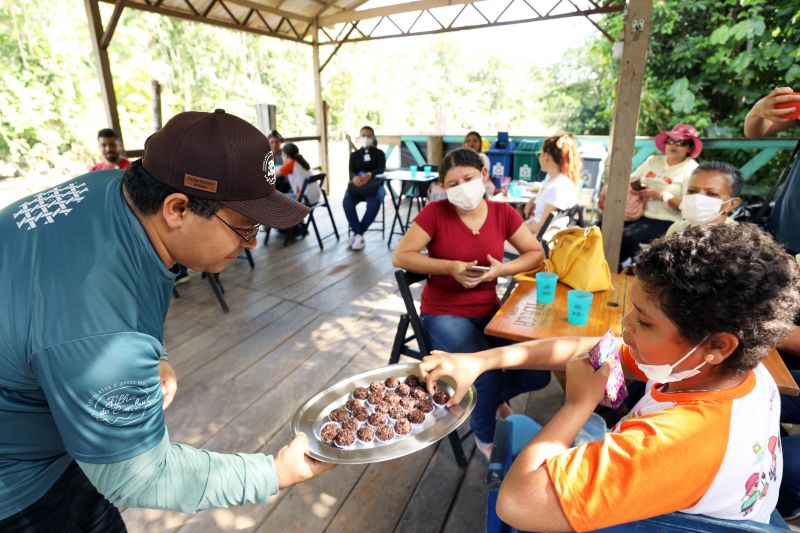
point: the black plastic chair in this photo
(319, 179)
(401, 343)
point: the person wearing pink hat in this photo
(661, 180)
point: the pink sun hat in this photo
(681, 132)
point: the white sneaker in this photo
(350, 240)
(358, 243)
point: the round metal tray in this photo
(310, 417)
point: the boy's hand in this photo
(585, 385)
(464, 368)
(292, 465)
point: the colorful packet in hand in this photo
(607, 348)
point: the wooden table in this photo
(521, 319)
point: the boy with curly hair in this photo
(707, 306)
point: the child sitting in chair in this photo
(705, 309)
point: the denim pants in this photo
(374, 204)
(457, 334)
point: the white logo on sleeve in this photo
(120, 404)
(49, 204)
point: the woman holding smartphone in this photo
(464, 237)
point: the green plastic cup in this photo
(546, 287)
(427, 170)
(579, 303)
(413, 171)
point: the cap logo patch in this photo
(201, 184)
(269, 168)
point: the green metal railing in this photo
(767, 149)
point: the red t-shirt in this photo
(452, 239)
(122, 164)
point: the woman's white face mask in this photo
(700, 209)
(468, 195)
(366, 142)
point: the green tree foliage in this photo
(708, 62)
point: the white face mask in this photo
(366, 142)
(468, 195)
(664, 374)
(700, 209)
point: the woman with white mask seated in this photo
(366, 163)
(464, 236)
(712, 194)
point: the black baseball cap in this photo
(220, 157)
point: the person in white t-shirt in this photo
(662, 180)
(296, 169)
(560, 160)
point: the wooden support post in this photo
(320, 104)
(323, 140)
(156, 104)
(623, 127)
(103, 67)
(266, 118)
(435, 149)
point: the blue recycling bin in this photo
(501, 156)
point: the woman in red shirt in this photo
(464, 236)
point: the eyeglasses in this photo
(247, 236)
(675, 142)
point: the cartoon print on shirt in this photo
(759, 451)
(772, 444)
(755, 490)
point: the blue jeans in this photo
(465, 335)
(374, 204)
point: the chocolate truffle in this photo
(397, 412)
(392, 398)
(360, 393)
(385, 433)
(353, 403)
(382, 407)
(350, 423)
(377, 387)
(441, 397)
(378, 419)
(329, 432)
(339, 414)
(426, 406)
(416, 416)
(373, 399)
(361, 413)
(366, 434)
(412, 381)
(346, 438)
(402, 427)
(403, 389)
(419, 394)
(406, 403)
(391, 382)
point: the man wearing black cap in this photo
(85, 282)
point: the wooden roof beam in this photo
(271, 10)
(352, 16)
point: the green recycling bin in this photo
(526, 161)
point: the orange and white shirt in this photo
(711, 453)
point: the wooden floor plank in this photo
(468, 512)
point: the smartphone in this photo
(478, 268)
(638, 185)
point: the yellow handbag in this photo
(577, 257)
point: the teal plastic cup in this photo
(413, 170)
(546, 287)
(427, 170)
(515, 190)
(579, 303)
